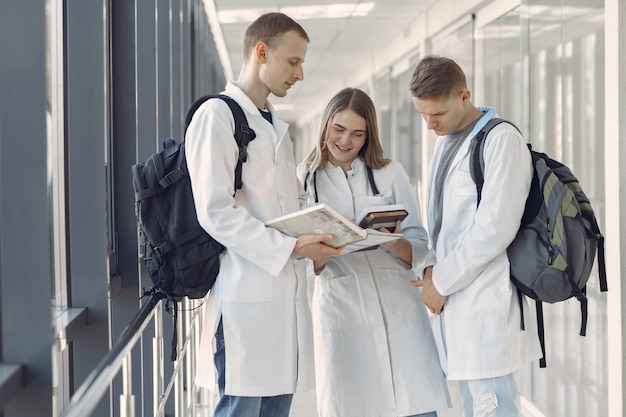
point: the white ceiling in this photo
(339, 47)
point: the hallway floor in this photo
(304, 404)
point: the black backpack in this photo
(182, 259)
(554, 250)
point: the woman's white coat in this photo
(374, 348)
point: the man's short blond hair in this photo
(268, 29)
(437, 77)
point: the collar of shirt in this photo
(490, 113)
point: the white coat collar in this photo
(242, 98)
(490, 112)
(357, 166)
(249, 107)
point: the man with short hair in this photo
(257, 324)
(466, 280)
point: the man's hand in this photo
(311, 246)
(430, 296)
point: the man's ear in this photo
(465, 95)
(260, 52)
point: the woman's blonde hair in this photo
(360, 103)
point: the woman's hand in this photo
(400, 247)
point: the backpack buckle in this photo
(161, 250)
(171, 178)
(243, 153)
(158, 252)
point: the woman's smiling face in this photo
(346, 136)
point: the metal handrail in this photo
(87, 397)
(179, 363)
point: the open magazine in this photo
(321, 219)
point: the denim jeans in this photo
(490, 397)
(235, 406)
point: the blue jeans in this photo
(235, 406)
(490, 397)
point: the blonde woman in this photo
(374, 348)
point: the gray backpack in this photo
(553, 252)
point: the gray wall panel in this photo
(25, 234)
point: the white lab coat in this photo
(478, 333)
(260, 292)
(375, 353)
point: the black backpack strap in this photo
(243, 133)
(477, 168)
(158, 252)
(194, 107)
(477, 163)
(165, 178)
(584, 306)
(171, 306)
(541, 333)
(520, 300)
(601, 264)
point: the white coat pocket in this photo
(401, 301)
(337, 303)
(464, 197)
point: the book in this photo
(386, 216)
(320, 219)
(372, 241)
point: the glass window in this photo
(407, 138)
(541, 67)
(458, 44)
(56, 148)
(382, 101)
(568, 67)
(499, 80)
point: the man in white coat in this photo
(256, 335)
(466, 280)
